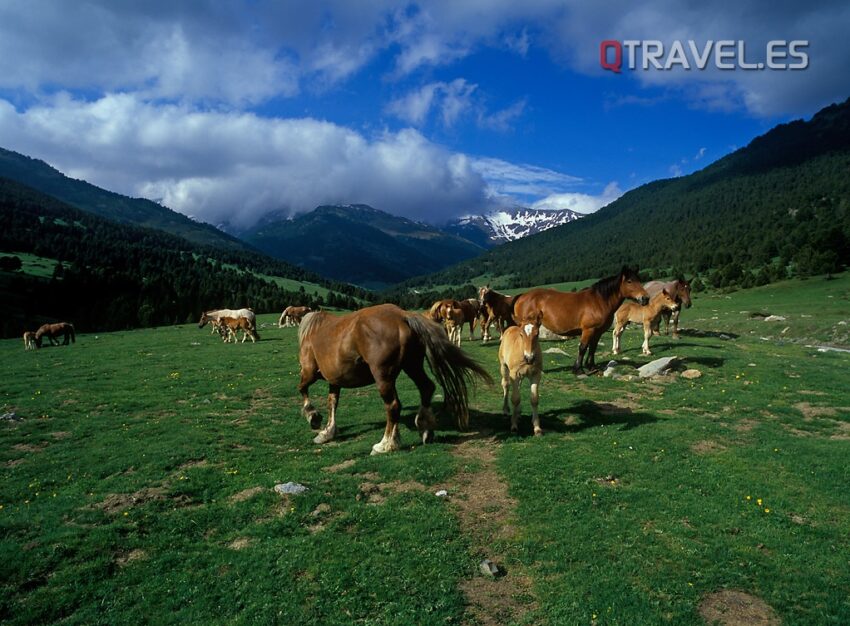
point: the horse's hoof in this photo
(315, 420)
(514, 430)
(380, 448)
(538, 432)
(323, 437)
(428, 436)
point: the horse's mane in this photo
(607, 287)
(307, 323)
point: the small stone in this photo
(488, 568)
(774, 318)
(725, 337)
(11, 417)
(290, 488)
(442, 493)
(554, 351)
(691, 374)
(656, 367)
(581, 376)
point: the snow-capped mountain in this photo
(498, 227)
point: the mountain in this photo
(107, 275)
(359, 244)
(779, 206)
(498, 227)
(39, 175)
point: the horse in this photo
(29, 340)
(646, 315)
(374, 345)
(233, 324)
(587, 312)
(499, 308)
(292, 315)
(680, 289)
(209, 316)
(51, 331)
(454, 320)
(471, 311)
(520, 357)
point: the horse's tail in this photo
(72, 333)
(452, 367)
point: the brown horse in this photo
(645, 315)
(499, 308)
(680, 289)
(587, 312)
(232, 325)
(292, 316)
(374, 345)
(520, 357)
(471, 311)
(52, 331)
(29, 340)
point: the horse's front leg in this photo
(391, 440)
(647, 333)
(591, 352)
(515, 400)
(329, 431)
(535, 399)
(675, 317)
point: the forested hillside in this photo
(112, 276)
(78, 193)
(778, 207)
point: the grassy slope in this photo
(206, 421)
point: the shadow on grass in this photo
(692, 332)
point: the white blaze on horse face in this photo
(528, 328)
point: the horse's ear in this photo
(665, 292)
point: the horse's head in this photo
(205, 319)
(668, 300)
(683, 292)
(482, 294)
(631, 287)
(530, 333)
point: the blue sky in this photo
(230, 110)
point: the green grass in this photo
(184, 423)
(34, 265)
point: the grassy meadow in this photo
(137, 487)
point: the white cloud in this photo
(580, 202)
(511, 180)
(221, 166)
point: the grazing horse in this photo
(374, 345)
(292, 315)
(29, 340)
(471, 310)
(232, 325)
(680, 289)
(51, 331)
(646, 315)
(499, 310)
(587, 312)
(520, 357)
(209, 316)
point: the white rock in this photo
(656, 367)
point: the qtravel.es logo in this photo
(725, 54)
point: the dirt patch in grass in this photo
(240, 543)
(117, 502)
(745, 425)
(14, 462)
(376, 493)
(737, 608)
(707, 446)
(192, 464)
(246, 494)
(60, 435)
(608, 481)
(124, 559)
(487, 513)
(32, 448)
(811, 412)
(339, 466)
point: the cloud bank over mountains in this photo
(179, 102)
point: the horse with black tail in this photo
(373, 346)
(52, 331)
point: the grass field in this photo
(138, 485)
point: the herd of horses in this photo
(33, 340)
(375, 344)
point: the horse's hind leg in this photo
(515, 400)
(309, 375)
(329, 431)
(675, 316)
(505, 372)
(391, 440)
(425, 422)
